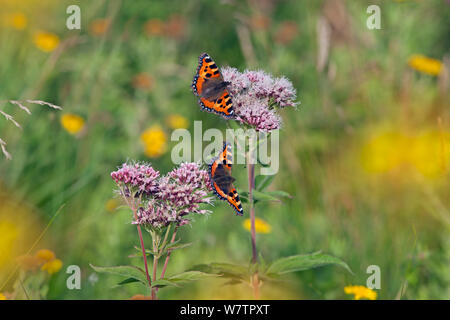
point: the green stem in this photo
(251, 186)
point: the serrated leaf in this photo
(180, 278)
(125, 271)
(262, 182)
(226, 270)
(304, 262)
(190, 276)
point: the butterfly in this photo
(222, 181)
(211, 89)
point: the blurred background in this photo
(366, 156)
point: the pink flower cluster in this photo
(137, 177)
(255, 96)
(175, 195)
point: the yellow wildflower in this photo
(176, 121)
(72, 123)
(9, 233)
(52, 266)
(45, 255)
(155, 141)
(261, 226)
(111, 205)
(385, 151)
(361, 292)
(16, 20)
(426, 65)
(46, 41)
(2, 297)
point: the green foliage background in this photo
(399, 221)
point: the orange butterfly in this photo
(211, 89)
(222, 181)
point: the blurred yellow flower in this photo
(385, 151)
(99, 27)
(176, 121)
(45, 255)
(52, 266)
(261, 226)
(16, 20)
(46, 41)
(72, 123)
(9, 233)
(426, 65)
(2, 296)
(155, 141)
(111, 205)
(361, 292)
(428, 152)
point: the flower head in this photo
(137, 178)
(176, 121)
(155, 141)
(46, 41)
(255, 96)
(361, 292)
(72, 123)
(167, 199)
(52, 266)
(16, 20)
(45, 255)
(2, 297)
(261, 226)
(425, 65)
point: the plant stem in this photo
(141, 239)
(144, 254)
(156, 239)
(168, 254)
(251, 186)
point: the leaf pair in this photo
(270, 272)
(135, 274)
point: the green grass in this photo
(400, 224)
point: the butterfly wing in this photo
(207, 69)
(222, 180)
(209, 86)
(222, 106)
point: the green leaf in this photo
(175, 245)
(178, 279)
(279, 194)
(304, 262)
(262, 182)
(226, 270)
(263, 196)
(190, 276)
(125, 271)
(126, 281)
(161, 283)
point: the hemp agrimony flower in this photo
(255, 96)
